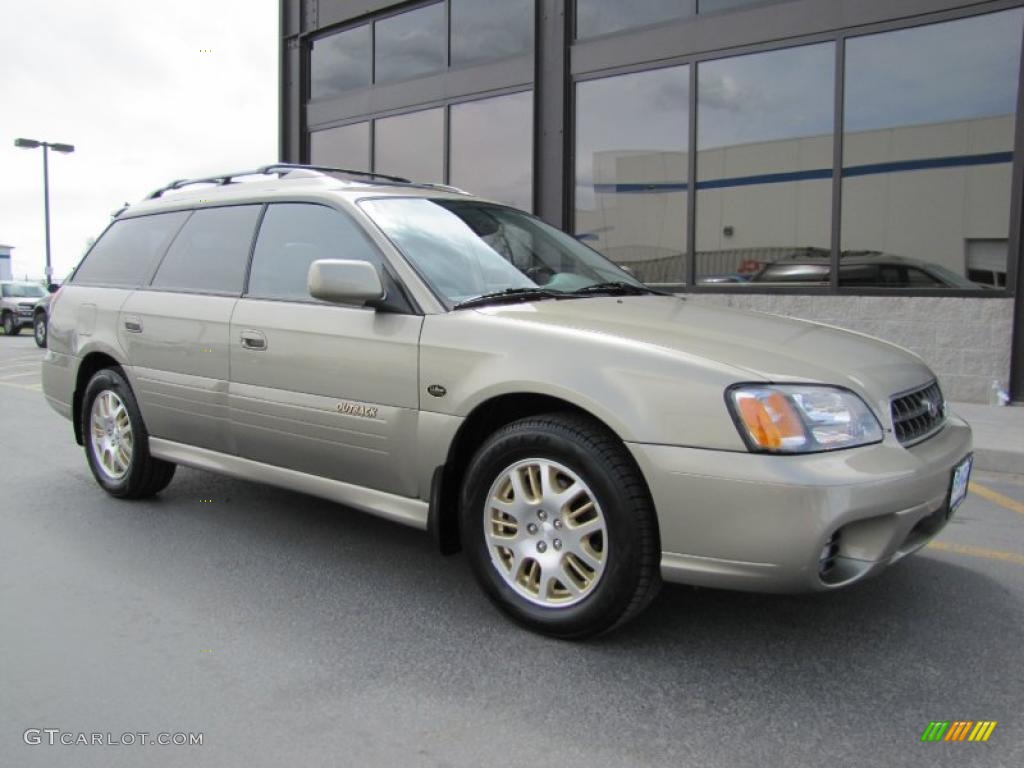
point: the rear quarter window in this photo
(128, 252)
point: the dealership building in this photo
(855, 162)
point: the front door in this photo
(325, 389)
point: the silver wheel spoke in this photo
(111, 438)
(545, 532)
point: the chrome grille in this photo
(917, 414)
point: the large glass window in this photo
(339, 62)
(293, 236)
(411, 145)
(129, 250)
(491, 148)
(210, 253)
(631, 170)
(928, 150)
(601, 17)
(489, 30)
(764, 160)
(410, 44)
(345, 147)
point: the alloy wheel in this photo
(111, 435)
(545, 532)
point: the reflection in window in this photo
(345, 147)
(764, 160)
(631, 170)
(491, 148)
(209, 254)
(490, 30)
(411, 145)
(601, 17)
(339, 63)
(410, 44)
(928, 148)
(293, 236)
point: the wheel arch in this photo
(91, 363)
(482, 421)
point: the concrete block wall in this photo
(965, 341)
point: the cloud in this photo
(133, 87)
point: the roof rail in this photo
(275, 168)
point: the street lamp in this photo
(56, 147)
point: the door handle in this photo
(254, 340)
(133, 323)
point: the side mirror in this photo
(344, 282)
(53, 287)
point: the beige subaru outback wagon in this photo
(461, 367)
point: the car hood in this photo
(758, 346)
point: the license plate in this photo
(958, 490)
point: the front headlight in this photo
(801, 418)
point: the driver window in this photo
(293, 236)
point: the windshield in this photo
(23, 291)
(465, 249)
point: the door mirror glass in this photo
(344, 282)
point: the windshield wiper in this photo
(511, 295)
(618, 287)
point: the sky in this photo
(147, 90)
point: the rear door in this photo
(325, 389)
(176, 330)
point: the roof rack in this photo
(284, 168)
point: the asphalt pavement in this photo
(290, 631)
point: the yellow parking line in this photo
(972, 551)
(997, 498)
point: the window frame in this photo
(688, 283)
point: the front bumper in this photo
(758, 522)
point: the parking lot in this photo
(290, 631)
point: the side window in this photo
(128, 251)
(293, 236)
(918, 277)
(210, 253)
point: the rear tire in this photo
(39, 328)
(116, 440)
(559, 526)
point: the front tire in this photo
(116, 440)
(39, 328)
(11, 328)
(559, 526)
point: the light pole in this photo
(46, 145)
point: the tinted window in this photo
(293, 236)
(339, 63)
(632, 150)
(928, 145)
(482, 30)
(344, 147)
(411, 145)
(210, 253)
(764, 157)
(491, 148)
(600, 17)
(410, 44)
(129, 250)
